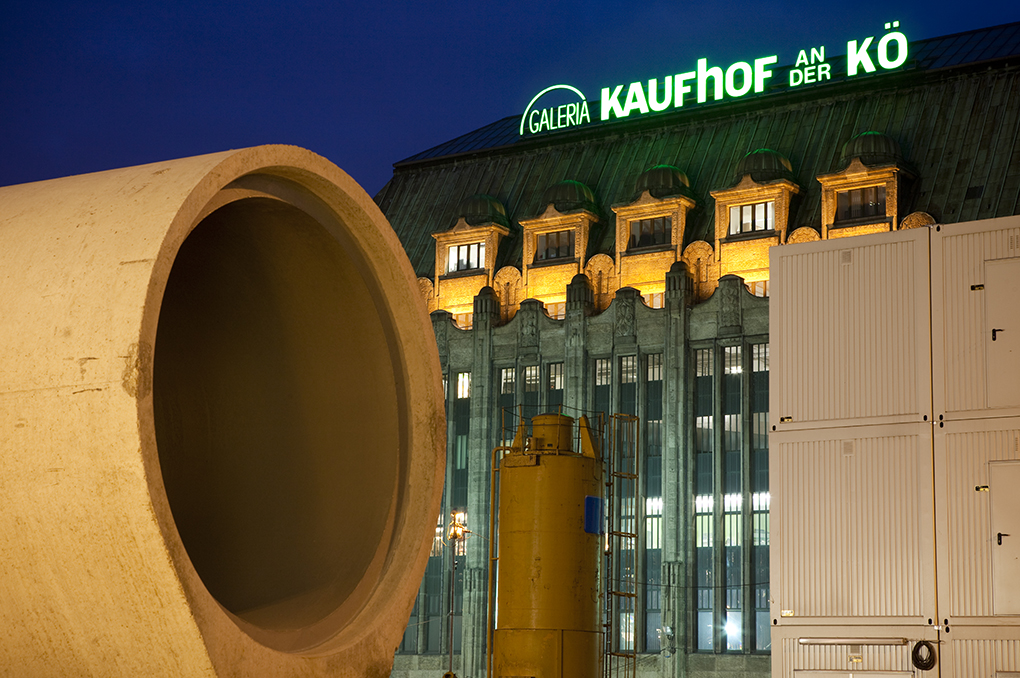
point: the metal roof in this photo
(957, 123)
(971, 47)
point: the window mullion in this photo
(747, 517)
(640, 383)
(718, 512)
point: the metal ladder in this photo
(622, 492)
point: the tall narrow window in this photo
(439, 539)
(653, 503)
(760, 498)
(461, 431)
(731, 507)
(506, 417)
(733, 538)
(759, 216)
(458, 481)
(409, 643)
(432, 592)
(603, 380)
(458, 602)
(603, 385)
(429, 599)
(626, 461)
(463, 385)
(628, 384)
(555, 245)
(554, 395)
(507, 381)
(532, 390)
(704, 498)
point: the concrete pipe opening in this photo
(275, 403)
(227, 417)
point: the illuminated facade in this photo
(623, 267)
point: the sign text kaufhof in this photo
(713, 82)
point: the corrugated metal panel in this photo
(960, 252)
(983, 657)
(836, 657)
(852, 524)
(852, 317)
(967, 454)
(820, 498)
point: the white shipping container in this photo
(895, 452)
(849, 320)
(855, 510)
(974, 291)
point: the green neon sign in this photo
(737, 81)
(715, 83)
(556, 117)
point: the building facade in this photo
(622, 267)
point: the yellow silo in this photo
(550, 517)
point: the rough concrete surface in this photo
(220, 421)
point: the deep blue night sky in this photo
(97, 85)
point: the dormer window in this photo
(556, 241)
(864, 196)
(650, 229)
(860, 203)
(555, 245)
(759, 216)
(650, 232)
(752, 215)
(467, 257)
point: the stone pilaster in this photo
(580, 302)
(625, 331)
(730, 321)
(475, 620)
(675, 462)
(480, 443)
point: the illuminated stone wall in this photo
(691, 309)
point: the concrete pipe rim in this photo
(246, 557)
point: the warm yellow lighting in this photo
(855, 177)
(644, 267)
(743, 248)
(739, 248)
(458, 526)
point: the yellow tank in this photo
(550, 516)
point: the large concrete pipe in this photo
(222, 425)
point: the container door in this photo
(1002, 332)
(1004, 481)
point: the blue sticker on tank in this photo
(593, 515)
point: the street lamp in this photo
(456, 533)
